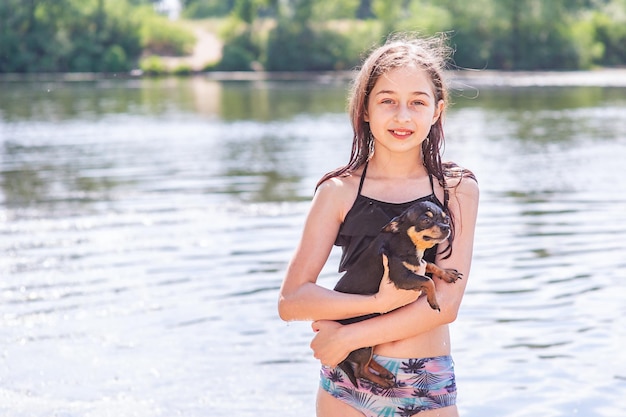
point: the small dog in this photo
(403, 241)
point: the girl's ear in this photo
(438, 111)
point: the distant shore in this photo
(605, 77)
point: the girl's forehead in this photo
(403, 79)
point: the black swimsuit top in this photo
(366, 219)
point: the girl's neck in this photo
(402, 168)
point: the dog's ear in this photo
(392, 226)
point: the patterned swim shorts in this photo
(421, 384)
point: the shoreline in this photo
(458, 79)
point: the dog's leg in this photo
(359, 364)
(448, 275)
(346, 366)
(428, 288)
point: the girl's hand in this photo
(389, 297)
(328, 344)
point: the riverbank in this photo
(605, 77)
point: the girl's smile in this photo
(401, 133)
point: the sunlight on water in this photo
(145, 226)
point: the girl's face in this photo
(401, 109)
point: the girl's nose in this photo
(402, 115)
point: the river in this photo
(146, 224)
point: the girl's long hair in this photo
(399, 51)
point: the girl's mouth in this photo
(401, 133)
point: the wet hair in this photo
(401, 51)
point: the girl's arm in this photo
(333, 342)
(300, 297)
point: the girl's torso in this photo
(361, 225)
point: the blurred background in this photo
(301, 35)
(151, 198)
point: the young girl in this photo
(396, 108)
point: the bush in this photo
(201, 9)
(78, 37)
(583, 40)
(235, 58)
(241, 46)
(114, 60)
(152, 65)
(182, 69)
(611, 34)
(159, 35)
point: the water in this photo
(145, 226)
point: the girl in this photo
(396, 106)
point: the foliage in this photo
(241, 48)
(426, 18)
(324, 10)
(66, 35)
(83, 35)
(236, 57)
(152, 65)
(280, 35)
(182, 69)
(611, 34)
(293, 47)
(114, 59)
(498, 34)
(201, 9)
(292, 43)
(159, 35)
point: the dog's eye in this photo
(426, 220)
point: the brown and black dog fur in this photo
(403, 240)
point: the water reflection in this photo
(549, 115)
(256, 157)
(226, 100)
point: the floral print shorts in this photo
(421, 384)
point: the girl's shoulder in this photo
(340, 185)
(335, 195)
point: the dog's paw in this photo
(451, 275)
(386, 381)
(434, 305)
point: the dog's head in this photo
(424, 223)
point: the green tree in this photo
(389, 13)
(325, 10)
(199, 9)
(66, 35)
(610, 32)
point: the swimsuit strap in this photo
(362, 179)
(446, 193)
